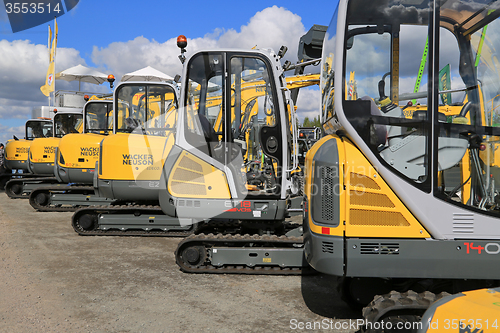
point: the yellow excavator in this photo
(400, 200)
(150, 105)
(16, 150)
(198, 170)
(74, 164)
(41, 154)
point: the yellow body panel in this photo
(134, 156)
(17, 150)
(373, 209)
(79, 150)
(477, 311)
(368, 206)
(43, 150)
(192, 177)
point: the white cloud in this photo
(308, 104)
(269, 28)
(24, 64)
(6, 133)
(22, 71)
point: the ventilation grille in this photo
(379, 248)
(190, 164)
(189, 203)
(188, 178)
(327, 247)
(370, 199)
(377, 218)
(363, 181)
(327, 190)
(463, 223)
(188, 188)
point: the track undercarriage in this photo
(66, 198)
(214, 246)
(20, 188)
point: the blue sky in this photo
(122, 36)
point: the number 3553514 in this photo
(31, 8)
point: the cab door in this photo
(232, 121)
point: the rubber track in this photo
(11, 182)
(5, 177)
(39, 208)
(144, 209)
(399, 303)
(209, 240)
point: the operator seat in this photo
(406, 148)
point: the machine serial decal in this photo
(489, 248)
(245, 207)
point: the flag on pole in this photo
(48, 43)
(49, 85)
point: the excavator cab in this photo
(42, 150)
(66, 123)
(221, 158)
(232, 155)
(16, 151)
(402, 188)
(77, 153)
(131, 159)
(98, 117)
(38, 128)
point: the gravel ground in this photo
(52, 280)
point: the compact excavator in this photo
(41, 155)
(235, 120)
(403, 201)
(16, 150)
(74, 164)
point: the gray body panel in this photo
(325, 202)
(16, 165)
(204, 209)
(42, 168)
(78, 199)
(292, 257)
(402, 258)
(167, 202)
(74, 175)
(414, 258)
(130, 190)
(324, 253)
(144, 222)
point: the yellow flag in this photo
(48, 87)
(54, 43)
(49, 45)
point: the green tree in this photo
(311, 123)
(306, 123)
